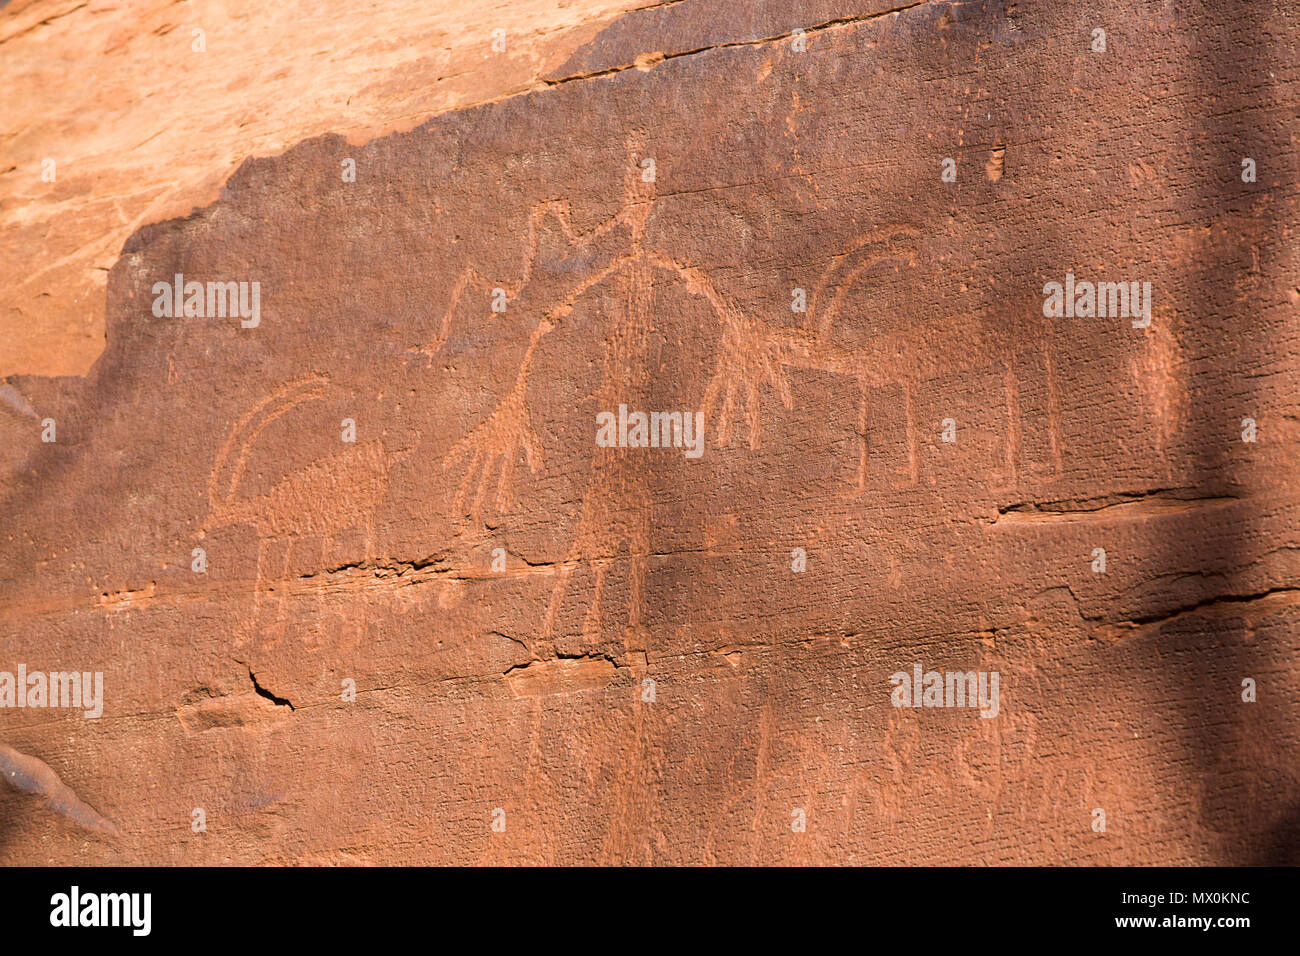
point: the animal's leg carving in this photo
(322, 604)
(281, 613)
(259, 586)
(634, 638)
(1054, 415)
(913, 472)
(1012, 434)
(862, 435)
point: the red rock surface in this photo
(509, 685)
(142, 126)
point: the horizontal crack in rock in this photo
(1116, 630)
(1119, 504)
(661, 57)
(562, 674)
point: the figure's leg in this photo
(320, 592)
(282, 606)
(913, 467)
(634, 638)
(913, 471)
(589, 544)
(361, 618)
(862, 435)
(506, 480)
(1012, 438)
(638, 554)
(1054, 415)
(258, 587)
(557, 597)
(591, 621)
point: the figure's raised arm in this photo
(554, 215)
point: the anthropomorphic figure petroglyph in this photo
(616, 512)
(617, 507)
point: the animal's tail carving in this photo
(232, 459)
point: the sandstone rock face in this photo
(146, 108)
(366, 583)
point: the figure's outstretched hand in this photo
(496, 441)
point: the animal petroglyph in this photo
(817, 347)
(331, 496)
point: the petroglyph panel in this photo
(644, 656)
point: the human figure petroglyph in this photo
(747, 355)
(324, 499)
(616, 510)
(750, 357)
(616, 506)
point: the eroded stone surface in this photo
(515, 678)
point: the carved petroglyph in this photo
(747, 360)
(333, 495)
(616, 510)
(816, 347)
(498, 440)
